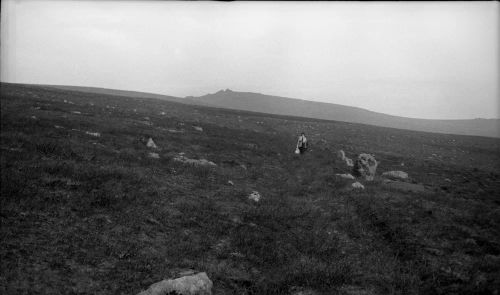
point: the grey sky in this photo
(414, 59)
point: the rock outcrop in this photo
(151, 144)
(198, 284)
(365, 166)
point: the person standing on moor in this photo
(302, 143)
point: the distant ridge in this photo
(108, 91)
(261, 103)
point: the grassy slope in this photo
(94, 215)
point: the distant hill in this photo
(261, 103)
(118, 92)
(257, 102)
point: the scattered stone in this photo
(230, 182)
(95, 134)
(365, 166)
(254, 196)
(154, 155)
(198, 284)
(237, 255)
(58, 127)
(358, 185)
(198, 128)
(345, 176)
(151, 144)
(162, 113)
(77, 112)
(33, 117)
(201, 162)
(395, 174)
(341, 155)
(447, 180)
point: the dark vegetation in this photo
(82, 214)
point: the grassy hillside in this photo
(84, 210)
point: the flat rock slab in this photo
(405, 186)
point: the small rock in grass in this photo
(341, 155)
(77, 112)
(254, 196)
(198, 128)
(230, 182)
(202, 162)
(151, 144)
(154, 155)
(358, 185)
(95, 134)
(345, 176)
(395, 174)
(198, 284)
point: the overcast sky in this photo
(413, 59)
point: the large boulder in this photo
(198, 284)
(395, 175)
(365, 166)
